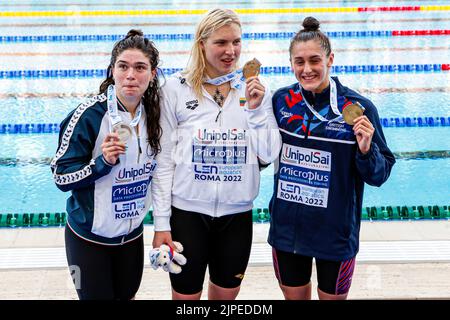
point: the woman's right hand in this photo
(163, 237)
(112, 148)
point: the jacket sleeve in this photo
(163, 175)
(375, 166)
(73, 166)
(265, 138)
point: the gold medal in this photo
(251, 68)
(351, 112)
(124, 131)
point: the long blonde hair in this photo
(196, 68)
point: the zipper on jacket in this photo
(129, 229)
(139, 147)
(138, 158)
(310, 118)
(131, 224)
(216, 201)
(218, 115)
(307, 127)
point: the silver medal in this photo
(124, 131)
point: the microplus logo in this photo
(311, 177)
(219, 153)
(306, 158)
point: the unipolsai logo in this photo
(305, 157)
(132, 173)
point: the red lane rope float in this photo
(420, 32)
(394, 8)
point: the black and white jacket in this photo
(107, 203)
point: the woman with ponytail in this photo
(332, 144)
(106, 158)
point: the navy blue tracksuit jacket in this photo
(319, 183)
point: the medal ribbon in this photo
(113, 110)
(236, 77)
(333, 104)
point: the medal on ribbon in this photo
(122, 129)
(352, 111)
(251, 68)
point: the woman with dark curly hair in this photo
(106, 158)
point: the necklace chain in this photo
(218, 97)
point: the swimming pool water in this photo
(26, 182)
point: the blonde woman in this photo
(218, 128)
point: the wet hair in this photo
(213, 20)
(151, 100)
(309, 32)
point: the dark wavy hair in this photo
(311, 31)
(135, 40)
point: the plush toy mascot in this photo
(165, 257)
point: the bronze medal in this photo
(351, 112)
(251, 68)
(124, 131)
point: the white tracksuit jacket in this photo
(209, 159)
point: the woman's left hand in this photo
(254, 92)
(363, 130)
(112, 148)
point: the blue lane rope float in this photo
(403, 122)
(271, 70)
(427, 212)
(247, 36)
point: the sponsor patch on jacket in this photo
(219, 155)
(304, 176)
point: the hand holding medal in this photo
(362, 127)
(112, 148)
(351, 112)
(254, 92)
(251, 68)
(123, 131)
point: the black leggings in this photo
(222, 244)
(102, 272)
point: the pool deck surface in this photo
(397, 260)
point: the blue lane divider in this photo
(415, 122)
(385, 122)
(190, 36)
(273, 70)
(181, 36)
